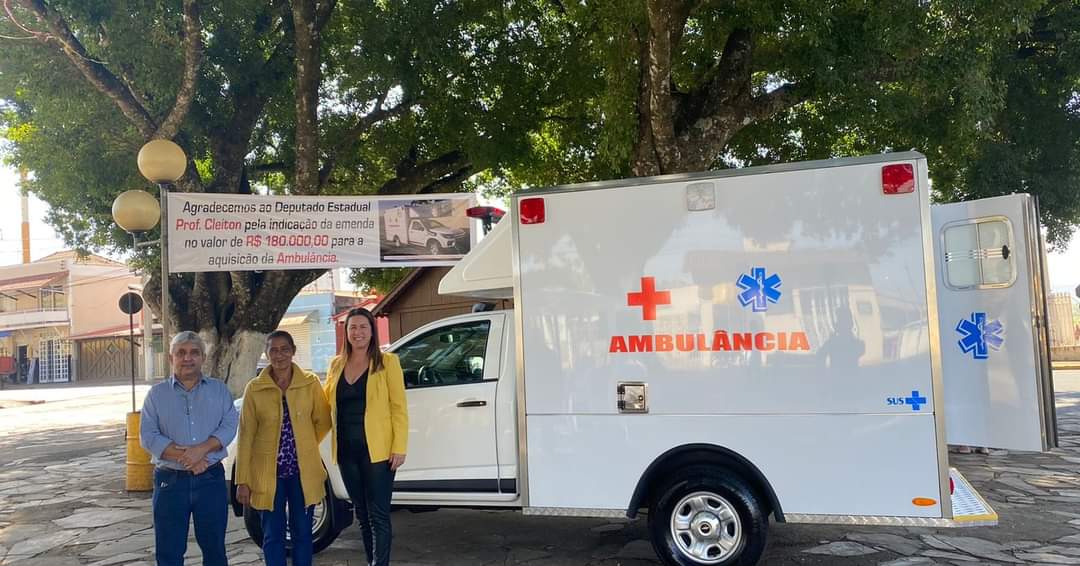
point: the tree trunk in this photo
(233, 312)
(687, 128)
(233, 359)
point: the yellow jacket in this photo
(386, 418)
(260, 435)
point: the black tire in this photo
(434, 248)
(323, 532)
(397, 242)
(716, 492)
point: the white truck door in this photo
(417, 233)
(451, 373)
(992, 311)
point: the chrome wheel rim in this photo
(706, 528)
(318, 519)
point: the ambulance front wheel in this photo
(705, 515)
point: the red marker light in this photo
(532, 210)
(897, 179)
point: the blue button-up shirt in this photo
(172, 414)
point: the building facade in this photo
(1063, 328)
(415, 301)
(59, 317)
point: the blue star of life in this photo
(759, 290)
(979, 335)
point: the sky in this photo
(43, 240)
(1064, 265)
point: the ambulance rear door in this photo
(992, 316)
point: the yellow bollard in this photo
(140, 472)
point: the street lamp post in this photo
(163, 162)
(136, 212)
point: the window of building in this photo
(51, 298)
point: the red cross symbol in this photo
(648, 298)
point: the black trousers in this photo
(370, 488)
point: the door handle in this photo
(472, 403)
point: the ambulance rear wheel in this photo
(707, 516)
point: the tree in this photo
(692, 85)
(299, 98)
(993, 106)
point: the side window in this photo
(416, 225)
(451, 355)
(979, 254)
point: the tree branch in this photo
(768, 105)
(347, 142)
(308, 79)
(192, 59)
(412, 177)
(273, 167)
(734, 70)
(230, 145)
(94, 72)
(322, 14)
(657, 96)
(449, 183)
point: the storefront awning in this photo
(295, 318)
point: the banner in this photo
(212, 232)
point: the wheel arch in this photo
(711, 454)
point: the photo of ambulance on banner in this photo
(212, 232)
(424, 230)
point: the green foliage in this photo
(991, 99)
(379, 280)
(480, 76)
(538, 93)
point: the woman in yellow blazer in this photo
(284, 418)
(366, 391)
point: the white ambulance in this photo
(720, 349)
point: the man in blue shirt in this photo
(187, 421)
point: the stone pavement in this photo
(62, 502)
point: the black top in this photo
(351, 403)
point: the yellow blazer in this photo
(260, 435)
(386, 418)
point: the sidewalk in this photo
(45, 393)
(62, 503)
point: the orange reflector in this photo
(924, 501)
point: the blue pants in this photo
(290, 494)
(179, 496)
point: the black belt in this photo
(164, 469)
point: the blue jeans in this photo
(179, 496)
(289, 493)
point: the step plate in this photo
(969, 510)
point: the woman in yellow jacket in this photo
(284, 418)
(366, 391)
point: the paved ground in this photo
(62, 502)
